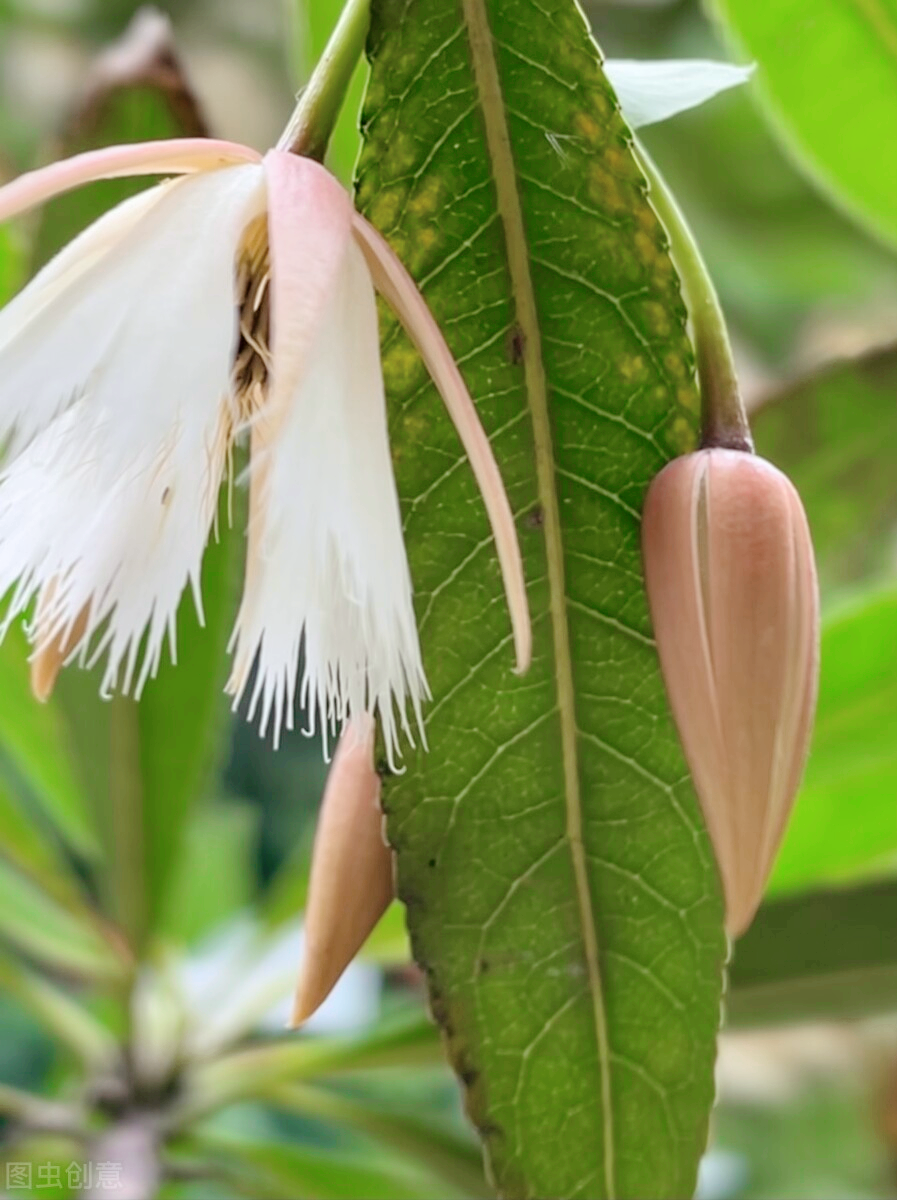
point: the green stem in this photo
(723, 419)
(314, 117)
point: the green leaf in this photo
(825, 954)
(214, 873)
(11, 264)
(34, 850)
(829, 75)
(270, 1171)
(835, 435)
(184, 716)
(845, 820)
(407, 1039)
(148, 762)
(46, 931)
(71, 1025)
(561, 892)
(455, 1158)
(35, 741)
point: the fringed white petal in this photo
(128, 338)
(327, 570)
(651, 91)
(62, 323)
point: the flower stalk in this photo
(309, 128)
(724, 422)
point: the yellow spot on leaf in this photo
(633, 368)
(385, 208)
(427, 199)
(688, 398)
(681, 437)
(675, 365)
(402, 365)
(587, 127)
(646, 248)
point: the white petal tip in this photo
(652, 91)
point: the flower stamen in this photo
(252, 358)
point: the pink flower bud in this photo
(351, 883)
(734, 600)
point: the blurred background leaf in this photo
(835, 434)
(845, 821)
(831, 83)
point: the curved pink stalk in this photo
(179, 156)
(397, 286)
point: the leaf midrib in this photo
(504, 172)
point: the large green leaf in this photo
(829, 73)
(845, 820)
(835, 434)
(560, 889)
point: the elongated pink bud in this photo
(351, 883)
(734, 600)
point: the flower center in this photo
(252, 359)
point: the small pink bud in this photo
(351, 883)
(734, 600)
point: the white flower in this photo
(238, 297)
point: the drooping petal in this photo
(351, 880)
(309, 227)
(64, 322)
(397, 286)
(652, 91)
(107, 508)
(327, 569)
(179, 156)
